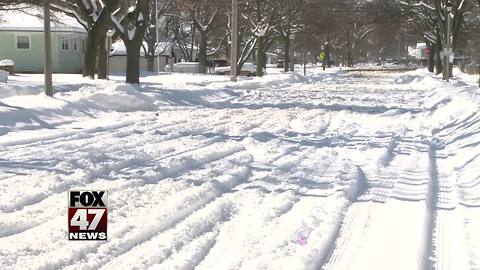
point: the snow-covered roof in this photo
(31, 19)
(421, 45)
(163, 48)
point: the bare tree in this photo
(156, 16)
(260, 16)
(204, 17)
(288, 22)
(94, 16)
(131, 24)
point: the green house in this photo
(22, 40)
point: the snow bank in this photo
(119, 97)
(408, 78)
(10, 90)
(268, 81)
(26, 107)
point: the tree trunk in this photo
(286, 63)
(444, 70)
(438, 63)
(96, 37)
(260, 61)
(151, 54)
(431, 59)
(133, 62)
(327, 55)
(349, 54)
(90, 56)
(349, 58)
(327, 51)
(192, 43)
(102, 58)
(150, 63)
(202, 53)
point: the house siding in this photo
(70, 61)
(31, 60)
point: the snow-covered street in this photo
(336, 170)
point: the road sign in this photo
(322, 56)
(427, 51)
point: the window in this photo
(23, 42)
(75, 44)
(65, 44)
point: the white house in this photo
(22, 40)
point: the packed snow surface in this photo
(335, 170)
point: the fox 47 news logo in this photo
(87, 215)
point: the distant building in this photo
(165, 53)
(22, 40)
(418, 52)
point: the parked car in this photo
(220, 63)
(186, 67)
(248, 69)
(8, 66)
(280, 63)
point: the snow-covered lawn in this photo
(336, 170)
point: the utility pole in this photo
(48, 49)
(304, 54)
(448, 46)
(292, 52)
(109, 40)
(406, 45)
(157, 39)
(234, 45)
(449, 40)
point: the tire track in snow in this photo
(176, 169)
(432, 202)
(243, 233)
(449, 235)
(276, 207)
(341, 235)
(353, 228)
(451, 250)
(190, 256)
(94, 136)
(97, 172)
(104, 253)
(61, 136)
(356, 224)
(92, 133)
(168, 172)
(97, 133)
(75, 134)
(188, 196)
(169, 243)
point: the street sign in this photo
(322, 56)
(427, 51)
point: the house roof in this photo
(119, 49)
(30, 19)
